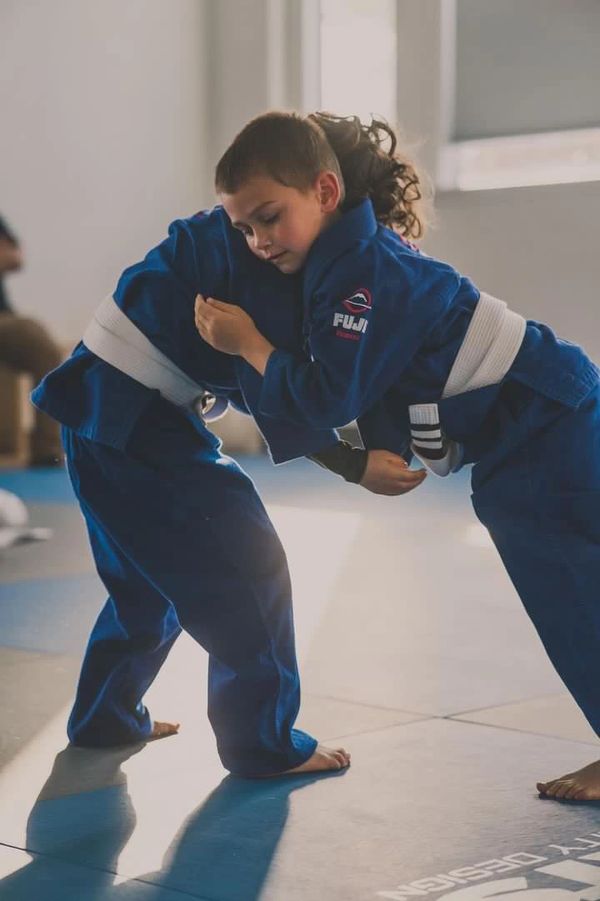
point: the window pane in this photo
(526, 66)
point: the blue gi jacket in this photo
(383, 323)
(202, 254)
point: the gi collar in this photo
(357, 224)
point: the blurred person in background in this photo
(27, 347)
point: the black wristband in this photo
(343, 459)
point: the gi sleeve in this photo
(366, 323)
(285, 440)
(386, 426)
(158, 295)
(236, 399)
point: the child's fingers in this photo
(199, 307)
(403, 474)
(395, 462)
(218, 304)
(412, 477)
(410, 480)
(208, 307)
(398, 486)
(202, 312)
(203, 324)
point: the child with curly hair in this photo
(417, 354)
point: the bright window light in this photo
(358, 58)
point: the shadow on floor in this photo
(223, 849)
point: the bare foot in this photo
(322, 760)
(162, 730)
(582, 785)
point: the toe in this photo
(562, 790)
(160, 730)
(551, 790)
(553, 786)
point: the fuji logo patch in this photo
(359, 302)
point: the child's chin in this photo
(289, 267)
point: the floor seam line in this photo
(310, 694)
(535, 698)
(379, 729)
(575, 741)
(99, 869)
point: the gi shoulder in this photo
(386, 274)
(200, 242)
(207, 224)
(191, 259)
(418, 277)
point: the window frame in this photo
(519, 160)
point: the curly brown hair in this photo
(370, 169)
(294, 149)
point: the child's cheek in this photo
(297, 240)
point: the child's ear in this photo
(329, 191)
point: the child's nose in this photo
(261, 241)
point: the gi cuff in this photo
(343, 459)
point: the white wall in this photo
(263, 54)
(536, 248)
(103, 141)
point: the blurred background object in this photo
(27, 352)
(14, 519)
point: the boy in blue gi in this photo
(178, 532)
(428, 364)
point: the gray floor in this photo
(415, 654)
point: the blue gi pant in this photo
(181, 540)
(537, 491)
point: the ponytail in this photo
(369, 169)
(294, 149)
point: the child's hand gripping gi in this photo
(231, 330)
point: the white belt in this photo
(488, 350)
(113, 337)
